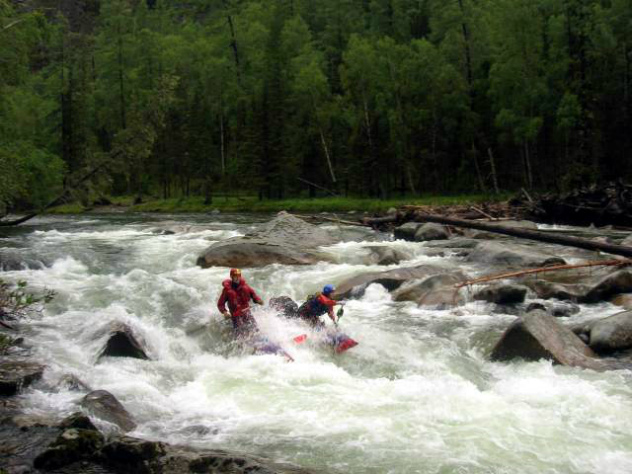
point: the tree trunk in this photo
(121, 80)
(492, 163)
(552, 238)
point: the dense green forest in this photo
(282, 98)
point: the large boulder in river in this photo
(538, 335)
(407, 231)
(561, 291)
(608, 335)
(512, 255)
(286, 239)
(16, 375)
(438, 291)
(122, 342)
(502, 294)
(431, 231)
(391, 279)
(614, 284)
(103, 405)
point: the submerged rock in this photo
(502, 294)
(72, 382)
(284, 305)
(105, 406)
(122, 342)
(537, 336)
(381, 255)
(391, 279)
(286, 239)
(16, 375)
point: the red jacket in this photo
(238, 299)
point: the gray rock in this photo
(284, 305)
(431, 231)
(286, 239)
(386, 255)
(391, 212)
(16, 375)
(564, 310)
(614, 284)
(627, 241)
(407, 231)
(438, 290)
(603, 240)
(612, 334)
(391, 279)
(122, 342)
(512, 255)
(502, 294)
(103, 405)
(537, 336)
(548, 290)
(71, 446)
(625, 301)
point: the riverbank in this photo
(252, 204)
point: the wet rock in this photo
(627, 241)
(564, 292)
(391, 279)
(286, 239)
(407, 231)
(386, 255)
(603, 240)
(611, 334)
(15, 375)
(512, 255)
(625, 301)
(122, 342)
(131, 454)
(73, 383)
(538, 335)
(502, 294)
(438, 290)
(79, 421)
(105, 406)
(71, 446)
(391, 212)
(431, 231)
(284, 305)
(564, 310)
(614, 284)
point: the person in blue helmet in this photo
(317, 305)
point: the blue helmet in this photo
(329, 289)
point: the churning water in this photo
(418, 395)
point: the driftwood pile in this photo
(602, 205)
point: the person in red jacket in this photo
(317, 305)
(237, 294)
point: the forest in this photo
(283, 98)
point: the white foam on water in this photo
(418, 394)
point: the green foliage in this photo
(376, 98)
(16, 301)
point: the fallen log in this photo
(554, 268)
(331, 219)
(536, 235)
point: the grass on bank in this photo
(252, 204)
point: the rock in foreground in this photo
(538, 336)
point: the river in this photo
(417, 395)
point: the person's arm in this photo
(221, 304)
(255, 297)
(329, 303)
